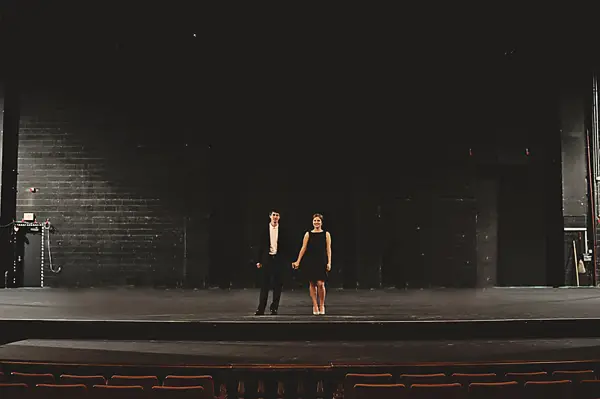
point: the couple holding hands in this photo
(314, 260)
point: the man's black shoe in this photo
(259, 313)
(273, 312)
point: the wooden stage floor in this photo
(134, 304)
(150, 326)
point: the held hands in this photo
(295, 265)
(258, 265)
(329, 267)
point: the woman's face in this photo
(317, 223)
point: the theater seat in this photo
(192, 392)
(588, 389)
(32, 379)
(118, 392)
(87, 380)
(574, 375)
(561, 389)
(437, 391)
(15, 390)
(60, 391)
(523, 377)
(205, 381)
(145, 381)
(380, 391)
(467, 378)
(434, 378)
(351, 379)
(495, 390)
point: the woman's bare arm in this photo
(328, 250)
(302, 250)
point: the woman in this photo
(316, 252)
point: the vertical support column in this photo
(574, 162)
(550, 167)
(593, 150)
(10, 138)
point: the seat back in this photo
(205, 381)
(145, 381)
(434, 378)
(574, 375)
(494, 390)
(523, 377)
(380, 391)
(437, 391)
(561, 389)
(88, 380)
(61, 391)
(14, 390)
(351, 379)
(587, 389)
(467, 378)
(32, 379)
(118, 392)
(191, 392)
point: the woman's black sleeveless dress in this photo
(314, 261)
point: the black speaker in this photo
(28, 260)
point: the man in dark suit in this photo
(272, 262)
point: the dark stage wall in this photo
(126, 188)
(116, 190)
(575, 126)
(157, 159)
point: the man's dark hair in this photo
(274, 210)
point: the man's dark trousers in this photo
(272, 278)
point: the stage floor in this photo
(134, 304)
(218, 327)
(352, 315)
(195, 353)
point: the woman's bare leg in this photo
(313, 295)
(321, 292)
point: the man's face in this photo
(274, 218)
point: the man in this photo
(271, 259)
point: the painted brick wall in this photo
(115, 189)
(118, 183)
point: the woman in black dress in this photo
(316, 252)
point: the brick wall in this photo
(114, 188)
(118, 183)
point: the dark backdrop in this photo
(160, 144)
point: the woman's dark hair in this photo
(318, 215)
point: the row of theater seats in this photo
(563, 384)
(31, 385)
